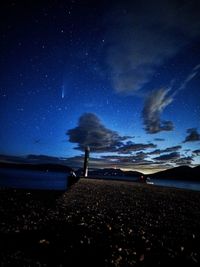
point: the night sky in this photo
(120, 76)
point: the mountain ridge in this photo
(36, 166)
(177, 173)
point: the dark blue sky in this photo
(120, 76)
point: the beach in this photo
(100, 223)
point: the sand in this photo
(100, 223)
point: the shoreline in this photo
(101, 223)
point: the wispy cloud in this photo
(158, 100)
(191, 76)
(141, 37)
(154, 105)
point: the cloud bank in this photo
(166, 150)
(170, 156)
(196, 152)
(192, 136)
(91, 132)
(131, 147)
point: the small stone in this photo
(44, 242)
(141, 257)
(193, 256)
(109, 227)
(130, 231)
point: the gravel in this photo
(100, 223)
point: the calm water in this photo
(161, 182)
(58, 180)
(33, 179)
(192, 185)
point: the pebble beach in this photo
(100, 223)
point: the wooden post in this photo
(86, 160)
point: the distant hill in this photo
(179, 173)
(38, 167)
(133, 173)
(110, 172)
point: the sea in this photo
(190, 185)
(33, 179)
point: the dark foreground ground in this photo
(100, 223)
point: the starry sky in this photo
(120, 76)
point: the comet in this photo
(63, 91)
